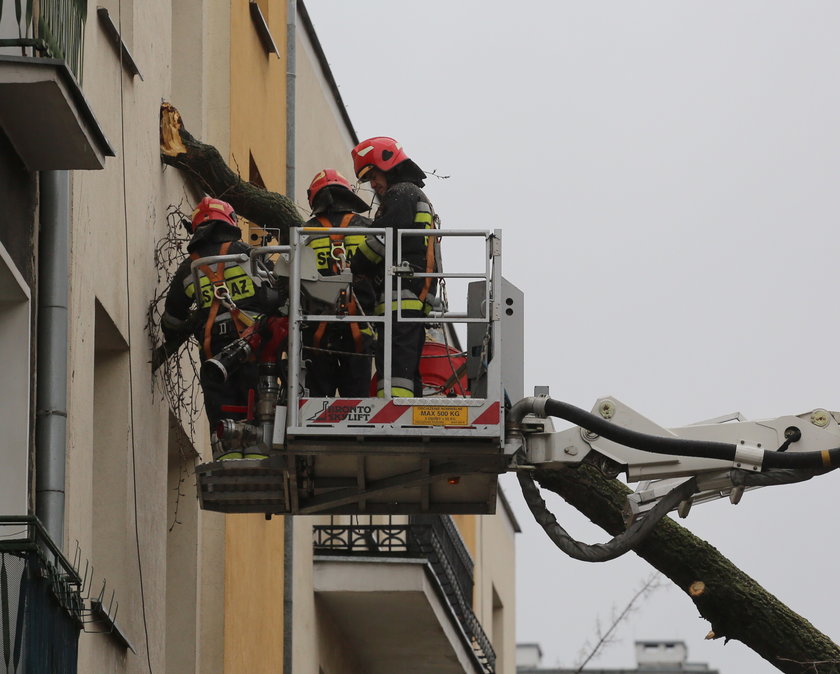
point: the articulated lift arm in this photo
(674, 467)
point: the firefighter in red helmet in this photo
(397, 181)
(338, 354)
(227, 301)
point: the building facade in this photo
(143, 579)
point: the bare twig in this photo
(177, 380)
(653, 582)
(435, 174)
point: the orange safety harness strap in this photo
(217, 279)
(430, 264)
(337, 241)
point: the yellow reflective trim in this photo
(370, 254)
(354, 240)
(320, 242)
(326, 241)
(423, 217)
(254, 456)
(323, 247)
(397, 392)
(405, 305)
(240, 286)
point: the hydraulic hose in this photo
(600, 552)
(747, 478)
(779, 467)
(813, 461)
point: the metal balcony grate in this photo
(41, 607)
(433, 537)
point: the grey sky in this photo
(665, 177)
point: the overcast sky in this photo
(665, 175)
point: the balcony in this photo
(41, 607)
(42, 109)
(402, 594)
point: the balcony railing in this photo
(47, 28)
(432, 537)
(41, 608)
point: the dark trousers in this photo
(406, 349)
(345, 372)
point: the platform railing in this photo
(432, 537)
(489, 274)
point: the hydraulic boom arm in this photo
(724, 456)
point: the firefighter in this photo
(229, 300)
(338, 354)
(397, 182)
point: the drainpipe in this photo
(51, 381)
(288, 528)
(291, 68)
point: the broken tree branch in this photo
(203, 165)
(736, 606)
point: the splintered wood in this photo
(170, 131)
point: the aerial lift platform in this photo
(443, 452)
(383, 455)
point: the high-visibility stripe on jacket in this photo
(239, 283)
(426, 216)
(333, 251)
(236, 281)
(373, 248)
(325, 246)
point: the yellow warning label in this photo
(440, 416)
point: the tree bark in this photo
(736, 606)
(203, 165)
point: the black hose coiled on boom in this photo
(779, 467)
(601, 552)
(827, 458)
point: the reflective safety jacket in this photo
(333, 250)
(403, 206)
(214, 319)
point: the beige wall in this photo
(117, 432)
(118, 428)
(494, 601)
(490, 540)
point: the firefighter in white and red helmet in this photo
(212, 322)
(338, 355)
(397, 182)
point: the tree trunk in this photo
(203, 165)
(736, 606)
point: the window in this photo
(14, 412)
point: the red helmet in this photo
(381, 152)
(324, 179)
(209, 209)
